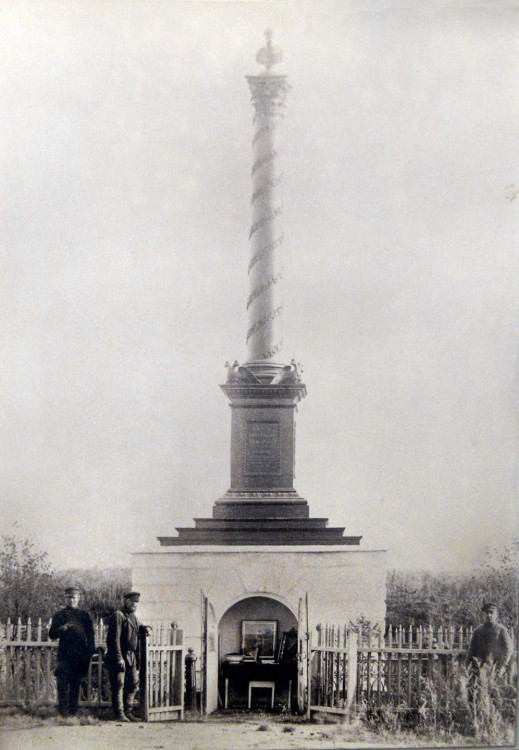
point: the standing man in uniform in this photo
(490, 646)
(490, 643)
(73, 627)
(122, 657)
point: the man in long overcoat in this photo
(73, 627)
(122, 657)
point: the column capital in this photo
(268, 93)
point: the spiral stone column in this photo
(265, 304)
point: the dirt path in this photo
(205, 735)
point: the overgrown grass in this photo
(449, 715)
(452, 712)
(23, 718)
(482, 709)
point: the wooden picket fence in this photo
(391, 668)
(28, 661)
(349, 668)
(362, 668)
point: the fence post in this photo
(352, 676)
(143, 673)
(190, 661)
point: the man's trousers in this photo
(68, 683)
(123, 686)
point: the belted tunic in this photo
(490, 643)
(122, 640)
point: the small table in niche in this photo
(241, 674)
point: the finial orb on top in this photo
(269, 55)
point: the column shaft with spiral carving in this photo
(265, 304)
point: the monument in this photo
(262, 505)
(260, 554)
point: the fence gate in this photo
(333, 671)
(162, 674)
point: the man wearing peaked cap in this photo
(122, 657)
(490, 643)
(73, 627)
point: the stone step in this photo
(261, 509)
(260, 531)
(273, 522)
(255, 532)
(259, 539)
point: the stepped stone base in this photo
(256, 521)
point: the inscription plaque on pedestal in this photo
(262, 448)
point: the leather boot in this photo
(117, 705)
(128, 706)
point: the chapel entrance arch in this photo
(263, 630)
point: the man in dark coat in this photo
(73, 627)
(122, 657)
(490, 643)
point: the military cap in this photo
(71, 590)
(488, 606)
(133, 595)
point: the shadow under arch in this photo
(262, 606)
(255, 594)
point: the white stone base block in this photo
(341, 584)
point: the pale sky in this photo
(126, 134)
